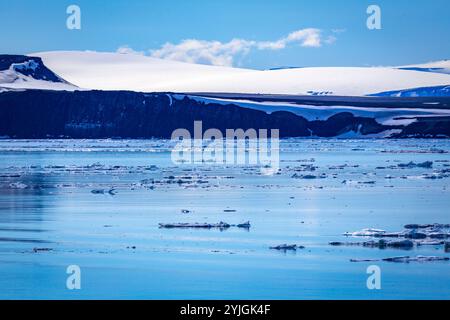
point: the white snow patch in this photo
(358, 135)
(27, 65)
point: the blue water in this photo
(46, 203)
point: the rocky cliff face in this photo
(28, 66)
(105, 114)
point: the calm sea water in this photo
(56, 210)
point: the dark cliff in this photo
(105, 114)
(28, 66)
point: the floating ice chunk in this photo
(18, 185)
(111, 191)
(366, 233)
(411, 165)
(286, 247)
(429, 243)
(408, 259)
(220, 225)
(381, 244)
(245, 225)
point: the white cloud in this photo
(204, 52)
(127, 50)
(304, 37)
(330, 40)
(223, 53)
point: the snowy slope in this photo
(442, 66)
(113, 71)
(22, 72)
(10, 80)
(331, 81)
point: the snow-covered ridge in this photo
(114, 71)
(442, 66)
(22, 72)
(438, 91)
(385, 116)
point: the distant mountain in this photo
(23, 72)
(283, 68)
(114, 71)
(442, 66)
(439, 91)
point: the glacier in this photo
(115, 71)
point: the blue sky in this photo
(413, 31)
